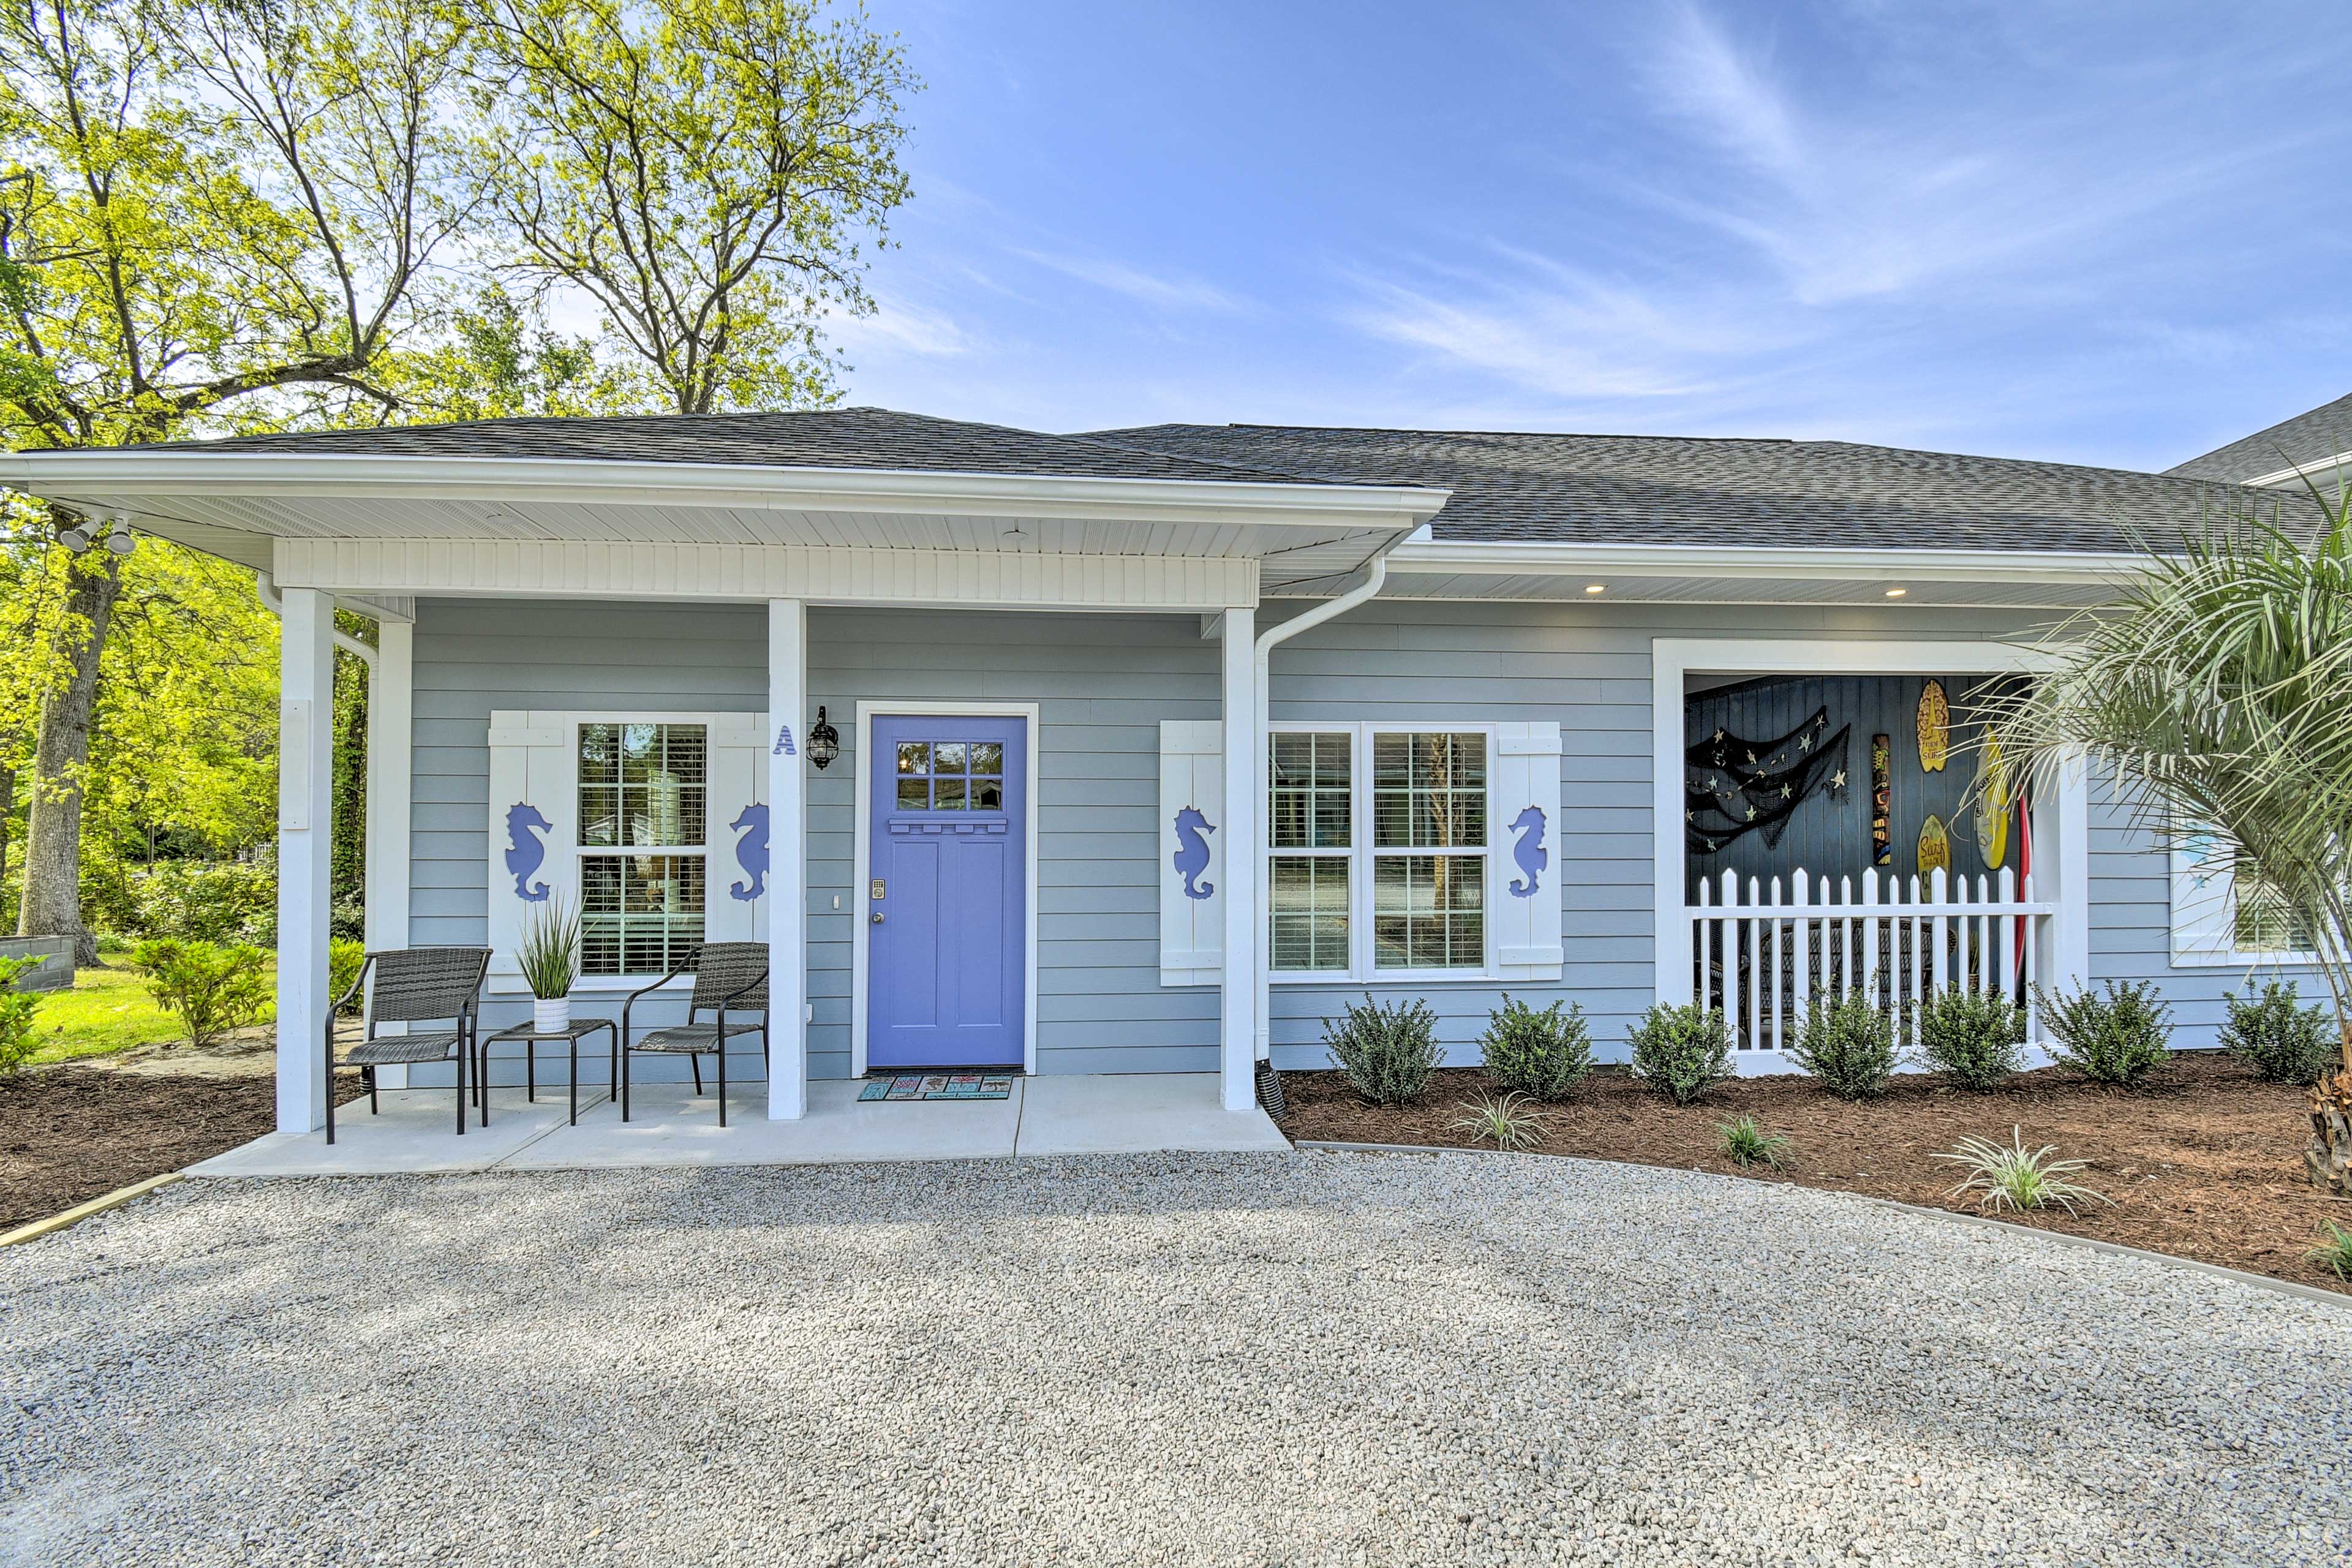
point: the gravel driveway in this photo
(1226, 1359)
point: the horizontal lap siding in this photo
(1588, 666)
(1102, 685)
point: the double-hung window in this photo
(644, 825)
(1376, 850)
(2225, 909)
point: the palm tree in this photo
(2218, 693)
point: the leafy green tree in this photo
(213, 213)
(2216, 693)
(704, 170)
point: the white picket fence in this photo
(1763, 957)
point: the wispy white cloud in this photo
(1159, 291)
(906, 327)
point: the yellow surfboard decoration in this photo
(1935, 847)
(1994, 803)
(1934, 728)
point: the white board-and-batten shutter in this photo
(1192, 838)
(1524, 861)
(533, 820)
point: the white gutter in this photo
(275, 603)
(1511, 558)
(65, 474)
(1376, 573)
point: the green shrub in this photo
(1847, 1044)
(1682, 1051)
(1543, 1054)
(1972, 1035)
(209, 988)
(1749, 1145)
(2334, 1252)
(195, 900)
(18, 1036)
(1511, 1123)
(1387, 1052)
(343, 961)
(2116, 1038)
(2283, 1042)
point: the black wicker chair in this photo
(729, 977)
(412, 985)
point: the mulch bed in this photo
(2205, 1162)
(69, 1134)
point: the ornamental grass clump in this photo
(2116, 1040)
(1848, 1044)
(2334, 1252)
(2278, 1038)
(1540, 1055)
(1386, 1052)
(2003, 1176)
(1682, 1051)
(547, 951)
(211, 989)
(1749, 1145)
(1973, 1037)
(1511, 1121)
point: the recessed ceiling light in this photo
(1594, 587)
(1896, 592)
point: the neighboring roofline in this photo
(1552, 558)
(65, 474)
(2341, 463)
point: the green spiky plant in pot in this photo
(548, 954)
(2214, 691)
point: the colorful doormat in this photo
(939, 1086)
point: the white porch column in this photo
(788, 711)
(306, 709)
(1239, 1000)
(392, 685)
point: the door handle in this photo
(878, 917)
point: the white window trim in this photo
(583, 853)
(503, 984)
(1361, 853)
(2188, 921)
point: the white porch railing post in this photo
(788, 712)
(306, 730)
(1238, 1004)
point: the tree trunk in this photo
(2330, 1153)
(52, 905)
(7, 810)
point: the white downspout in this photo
(1376, 573)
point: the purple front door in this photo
(945, 908)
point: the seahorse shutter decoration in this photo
(1192, 854)
(526, 851)
(1734, 786)
(1528, 851)
(752, 852)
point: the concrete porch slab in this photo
(1138, 1114)
(417, 1133)
(669, 1124)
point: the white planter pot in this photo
(552, 1015)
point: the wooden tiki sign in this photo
(1934, 728)
(1882, 800)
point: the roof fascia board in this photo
(1516, 558)
(65, 474)
(2335, 467)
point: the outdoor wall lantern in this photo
(824, 742)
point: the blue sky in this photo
(2109, 233)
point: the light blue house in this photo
(1144, 751)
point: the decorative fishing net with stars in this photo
(1733, 786)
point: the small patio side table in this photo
(530, 1035)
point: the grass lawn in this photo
(107, 1010)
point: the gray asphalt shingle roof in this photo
(1611, 490)
(2310, 437)
(835, 438)
(1634, 490)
